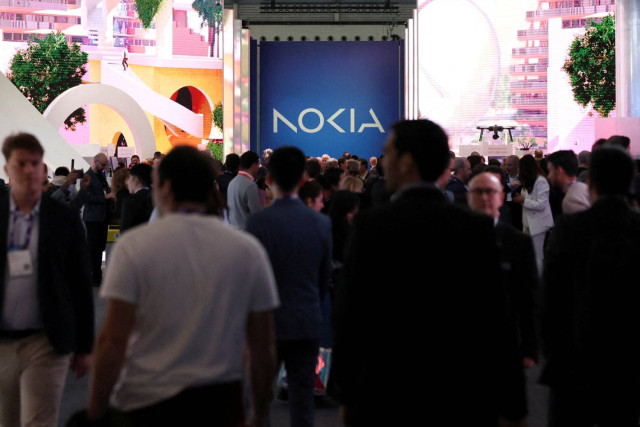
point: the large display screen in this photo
(499, 62)
(329, 97)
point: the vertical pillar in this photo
(228, 16)
(236, 88)
(164, 30)
(627, 58)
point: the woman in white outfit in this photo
(536, 210)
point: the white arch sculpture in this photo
(98, 93)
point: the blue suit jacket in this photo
(298, 241)
(65, 296)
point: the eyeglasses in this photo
(487, 191)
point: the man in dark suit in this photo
(94, 199)
(298, 241)
(589, 330)
(458, 182)
(517, 258)
(137, 208)
(512, 187)
(392, 304)
(46, 301)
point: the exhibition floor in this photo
(75, 395)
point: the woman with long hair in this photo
(121, 192)
(537, 217)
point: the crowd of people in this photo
(454, 274)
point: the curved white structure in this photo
(111, 73)
(18, 115)
(119, 100)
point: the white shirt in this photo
(194, 280)
(20, 307)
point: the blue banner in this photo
(329, 97)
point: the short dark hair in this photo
(474, 159)
(309, 190)
(621, 140)
(232, 162)
(191, 173)
(612, 170)
(135, 155)
(142, 171)
(286, 166)
(331, 177)
(597, 144)
(427, 143)
(248, 159)
(492, 168)
(566, 159)
(61, 171)
(313, 167)
(21, 141)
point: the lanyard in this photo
(27, 239)
(246, 175)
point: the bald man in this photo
(94, 199)
(486, 196)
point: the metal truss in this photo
(379, 7)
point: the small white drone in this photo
(495, 129)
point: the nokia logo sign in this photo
(278, 117)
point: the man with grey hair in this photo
(94, 199)
(459, 179)
(584, 159)
(332, 162)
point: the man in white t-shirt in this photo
(182, 295)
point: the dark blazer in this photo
(590, 327)
(414, 313)
(64, 291)
(458, 189)
(519, 264)
(224, 180)
(93, 199)
(136, 209)
(298, 241)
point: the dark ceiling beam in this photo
(292, 7)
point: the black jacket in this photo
(65, 295)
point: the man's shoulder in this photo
(418, 205)
(141, 196)
(511, 234)
(454, 185)
(239, 183)
(287, 211)
(53, 208)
